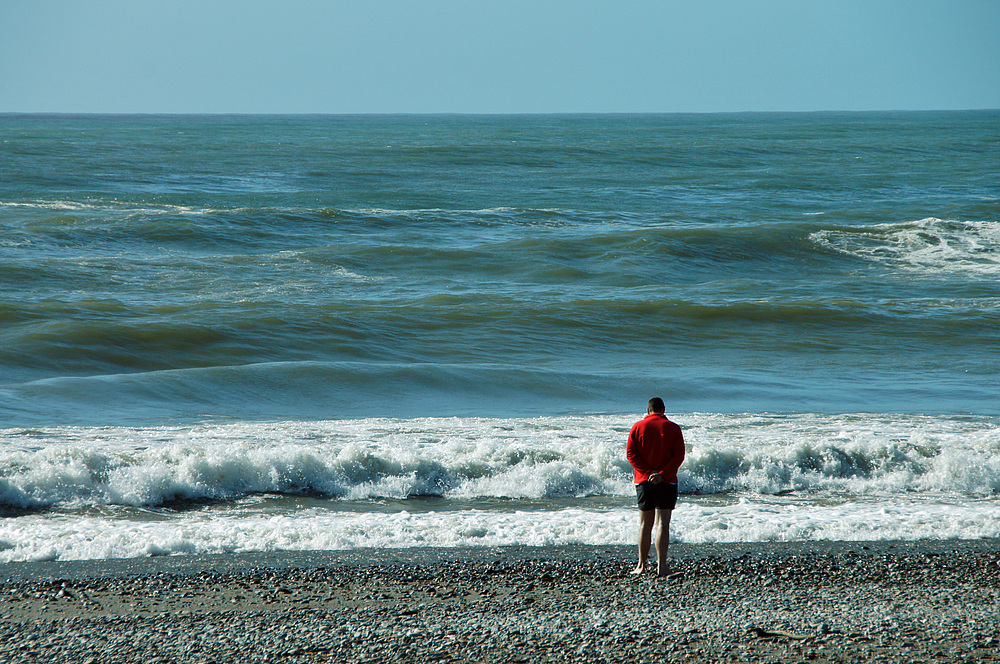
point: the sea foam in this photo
(36, 537)
(466, 458)
(927, 245)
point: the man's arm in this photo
(676, 454)
(634, 457)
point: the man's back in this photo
(655, 445)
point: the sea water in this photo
(224, 334)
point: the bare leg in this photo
(646, 520)
(662, 540)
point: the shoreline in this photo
(772, 602)
(186, 564)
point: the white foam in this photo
(927, 245)
(112, 206)
(36, 538)
(854, 454)
(62, 206)
(462, 458)
(888, 519)
(764, 477)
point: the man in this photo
(655, 449)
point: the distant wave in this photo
(929, 245)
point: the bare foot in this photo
(641, 569)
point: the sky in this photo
(497, 56)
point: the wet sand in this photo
(934, 601)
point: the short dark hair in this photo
(655, 405)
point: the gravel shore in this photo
(819, 602)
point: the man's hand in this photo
(655, 478)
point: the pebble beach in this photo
(929, 601)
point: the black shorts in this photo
(662, 496)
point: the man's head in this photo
(655, 405)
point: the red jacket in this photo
(655, 445)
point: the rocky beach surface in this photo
(809, 602)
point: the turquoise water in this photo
(379, 308)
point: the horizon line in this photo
(479, 113)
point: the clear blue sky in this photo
(498, 56)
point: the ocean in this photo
(278, 333)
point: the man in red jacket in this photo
(655, 449)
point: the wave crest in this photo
(929, 245)
(478, 458)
